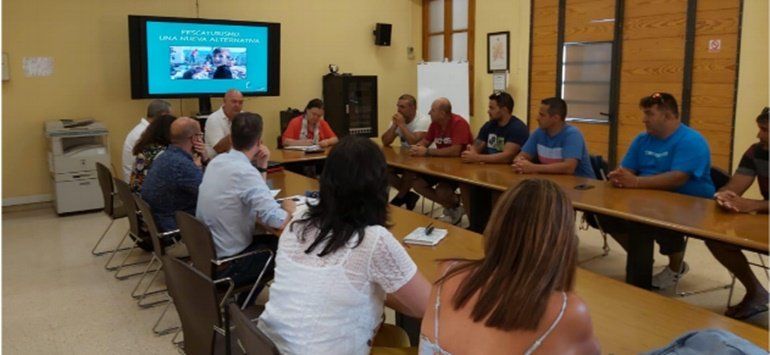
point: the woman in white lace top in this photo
(337, 262)
(518, 299)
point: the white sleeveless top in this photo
(333, 304)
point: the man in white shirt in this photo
(410, 127)
(155, 109)
(233, 198)
(218, 123)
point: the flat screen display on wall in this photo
(185, 57)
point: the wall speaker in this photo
(382, 34)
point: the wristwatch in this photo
(262, 170)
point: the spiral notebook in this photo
(418, 236)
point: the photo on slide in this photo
(206, 63)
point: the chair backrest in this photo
(719, 177)
(149, 222)
(125, 195)
(600, 166)
(194, 297)
(104, 176)
(197, 237)
(252, 339)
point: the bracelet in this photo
(262, 170)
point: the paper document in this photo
(419, 237)
(300, 200)
(275, 192)
(304, 148)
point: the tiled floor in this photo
(58, 299)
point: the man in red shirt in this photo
(310, 128)
(451, 134)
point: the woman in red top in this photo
(310, 128)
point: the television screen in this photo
(177, 57)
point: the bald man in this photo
(172, 183)
(451, 134)
(218, 123)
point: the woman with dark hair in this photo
(337, 262)
(310, 128)
(152, 143)
(518, 299)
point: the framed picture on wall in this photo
(497, 51)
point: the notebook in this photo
(418, 236)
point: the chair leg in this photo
(140, 301)
(696, 292)
(134, 293)
(605, 246)
(123, 264)
(99, 241)
(254, 288)
(179, 345)
(115, 251)
(169, 330)
(730, 295)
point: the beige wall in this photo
(497, 16)
(752, 79)
(89, 43)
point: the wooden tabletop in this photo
(295, 156)
(626, 319)
(698, 217)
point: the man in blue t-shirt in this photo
(555, 147)
(499, 140)
(669, 156)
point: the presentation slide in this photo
(192, 58)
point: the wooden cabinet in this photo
(351, 104)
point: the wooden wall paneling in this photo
(653, 59)
(652, 71)
(642, 8)
(596, 137)
(714, 76)
(584, 20)
(542, 71)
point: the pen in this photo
(429, 229)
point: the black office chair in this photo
(601, 169)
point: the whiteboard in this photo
(450, 80)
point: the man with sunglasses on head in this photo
(668, 156)
(172, 183)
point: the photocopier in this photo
(74, 148)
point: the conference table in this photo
(693, 216)
(626, 319)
